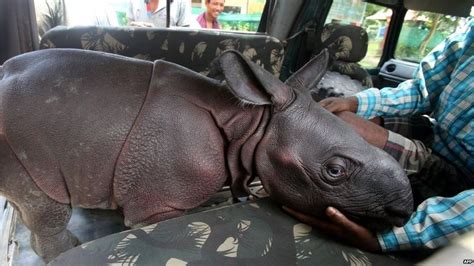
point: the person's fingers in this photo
(351, 231)
(300, 216)
(334, 104)
(325, 102)
(335, 215)
(340, 219)
(340, 226)
(334, 107)
(310, 220)
(329, 105)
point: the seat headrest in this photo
(345, 42)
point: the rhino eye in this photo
(335, 170)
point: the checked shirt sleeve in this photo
(415, 96)
(405, 99)
(435, 222)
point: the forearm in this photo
(436, 221)
(371, 132)
(407, 98)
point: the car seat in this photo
(347, 45)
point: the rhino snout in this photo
(395, 190)
(399, 213)
(400, 199)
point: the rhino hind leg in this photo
(44, 217)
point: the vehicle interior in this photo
(372, 43)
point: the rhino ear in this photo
(310, 74)
(251, 83)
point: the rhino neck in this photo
(243, 128)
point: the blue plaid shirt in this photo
(442, 87)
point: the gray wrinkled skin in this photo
(94, 130)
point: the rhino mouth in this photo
(380, 222)
(383, 216)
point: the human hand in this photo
(339, 104)
(341, 227)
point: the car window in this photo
(238, 15)
(422, 31)
(371, 17)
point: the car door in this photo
(400, 33)
(415, 34)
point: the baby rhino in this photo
(95, 130)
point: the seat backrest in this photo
(348, 45)
(191, 48)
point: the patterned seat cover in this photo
(191, 48)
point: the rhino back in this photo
(66, 114)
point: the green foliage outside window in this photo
(423, 32)
(240, 22)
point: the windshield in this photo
(238, 15)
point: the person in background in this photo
(441, 170)
(88, 12)
(208, 19)
(152, 13)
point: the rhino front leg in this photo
(49, 247)
(45, 218)
(47, 222)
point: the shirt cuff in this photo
(388, 242)
(394, 240)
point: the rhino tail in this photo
(1, 72)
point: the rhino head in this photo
(308, 158)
